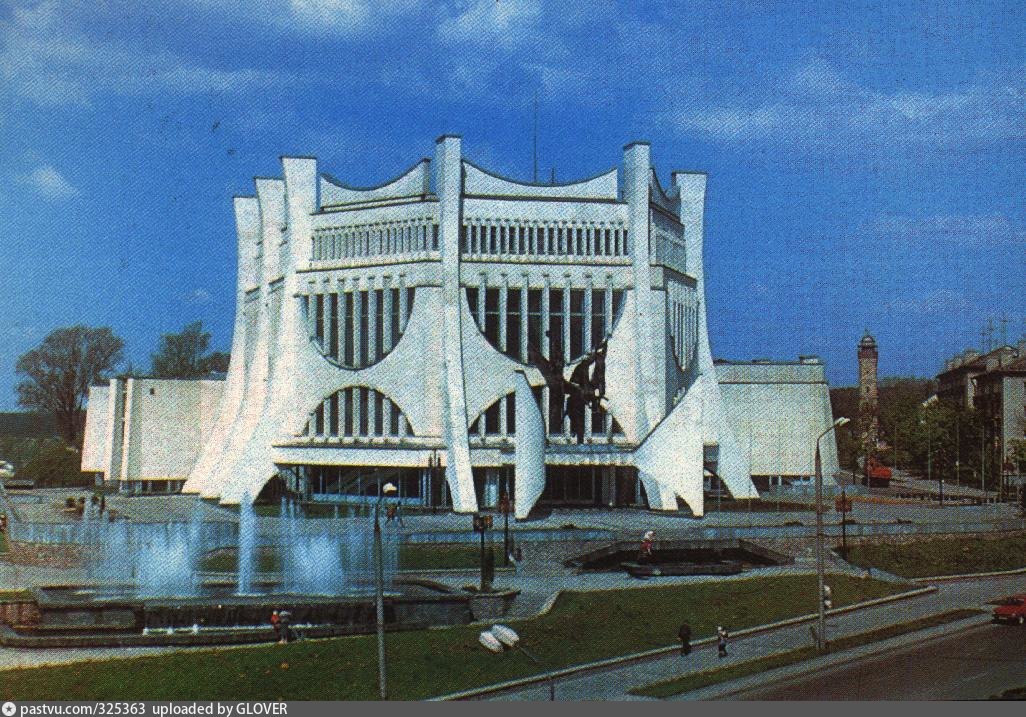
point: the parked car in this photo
(1011, 610)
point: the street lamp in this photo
(820, 633)
(929, 461)
(500, 638)
(379, 588)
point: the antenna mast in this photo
(535, 137)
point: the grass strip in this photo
(581, 628)
(15, 595)
(942, 556)
(688, 683)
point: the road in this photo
(614, 683)
(970, 665)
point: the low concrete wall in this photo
(20, 613)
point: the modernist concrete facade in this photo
(146, 434)
(380, 330)
(776, 410)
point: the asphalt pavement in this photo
(973, 664)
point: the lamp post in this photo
(379, 588)
(820, 633)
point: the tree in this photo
(54, 463)
(184, 355)
(59, 372)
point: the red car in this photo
(1012, 610)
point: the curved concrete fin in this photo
(670, 459)
(529, 447)
(714, 427)
(247, 222)
(458, 471)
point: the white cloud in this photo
(817, 104)
(325, 18)
(48, 61)
(489, 22)
(49, 183)
(198, 297)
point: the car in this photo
(1011, 610)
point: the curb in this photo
(968, 576)
(823, 663)
(659, 651)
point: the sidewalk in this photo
(614, 683)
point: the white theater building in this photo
(380, 329)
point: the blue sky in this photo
(866, 159)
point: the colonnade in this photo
(563, 238)
(357, 412)
(402, 237)
(353, 322)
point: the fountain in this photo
(146, 584)
(247, 545)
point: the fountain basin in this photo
(86, 615)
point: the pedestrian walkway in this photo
(614, 683)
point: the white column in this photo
(341, 320)
(609, 316)
(587, 312)
(357, 394)
(386, 314)
(566, 318)
(546, 349)
(357, 316)
(566, 338)
(404, 310)
(386, 418)
(524, 317)
(482, 287)
(503, 303)
(372, 412)
(448, 166)
(372, 321)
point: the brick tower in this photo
(869, 420)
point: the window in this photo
(535, 333)
(598, 313)
(491, 327)
(491, 416)
(513, 323)
(576, 322)
(555, 324)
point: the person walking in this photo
(276, 625)
(645, 554)
(721, 641)
(684, 633)
(286, 626)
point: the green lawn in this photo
(416, 556)
(3, 543)
(942, 556)
(581, 627)
(14, 595)
(687, 683)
